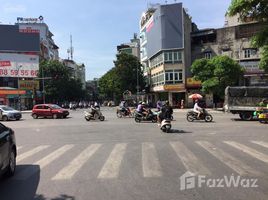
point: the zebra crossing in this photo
(150, 165)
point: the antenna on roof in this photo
(71, 48)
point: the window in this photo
(46, 107)
(247, 53)
(2, 128)
(173, 76)
(208, 55)
(39, 107)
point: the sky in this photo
(97, 27)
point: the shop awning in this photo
(9, 90)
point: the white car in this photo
(8, 113)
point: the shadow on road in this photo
(241, 120)
(61, 197)
(12, 189)
(178, 131)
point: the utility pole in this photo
(18, 76)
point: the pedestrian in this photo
(182, 104)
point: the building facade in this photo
(166, 51)
(19, 66)
(78, 71)
(233, 40)
(132, 48)
(48, 49)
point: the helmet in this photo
(166, 103)
(140, 102)
(143, 103)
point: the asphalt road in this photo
(120, 159)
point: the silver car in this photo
(8, 113)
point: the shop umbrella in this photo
(195, 96)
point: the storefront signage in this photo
(174, 87)
(29, 84)
(30, 20)
(19, 65)
(12, 92)
(4, 63)
(191, 82)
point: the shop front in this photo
(12, 97)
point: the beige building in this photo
(233, 41)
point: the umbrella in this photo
(195, 96)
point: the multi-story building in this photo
(166, 51)
(132, 48)
(78, 71)
(92, 88)
(48, 48)
(233, 40)
(19, 65)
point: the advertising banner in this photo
(19, 65)
(29, 84)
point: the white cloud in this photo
(13, 8)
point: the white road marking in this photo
(69, 171)
(113, 163)
(19, 147)
(150, 163)
(29, 171)
(261, 143)
(31, 152)
(235, 164)
(250, 151)
(189, 160)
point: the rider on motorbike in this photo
(123, 106)
(93, 109)
(165, 113)
(141, 109)
(197, 109)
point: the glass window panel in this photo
(170, 56)
(170, 76)
(167, 78)
(176, 76)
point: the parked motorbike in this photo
(191, 116)
(124, 113)
(152, 116)
(97, 115)
(166, 125)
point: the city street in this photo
(119, 159)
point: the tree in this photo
(60, 86)
(123, 76)
(256, 10)
(217, 73)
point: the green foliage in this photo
(61, 86)
(217, 73)
(256, 10)
(122, 77)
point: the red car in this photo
(49, 110)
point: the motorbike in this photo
(97, 115)
(152, 116)
(124, 113)
(166, 125)
(191, 116)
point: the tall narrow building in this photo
(166, 51)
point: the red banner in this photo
(4, 63)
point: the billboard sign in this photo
(19, 65)
(165, 29)
(29, 85)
